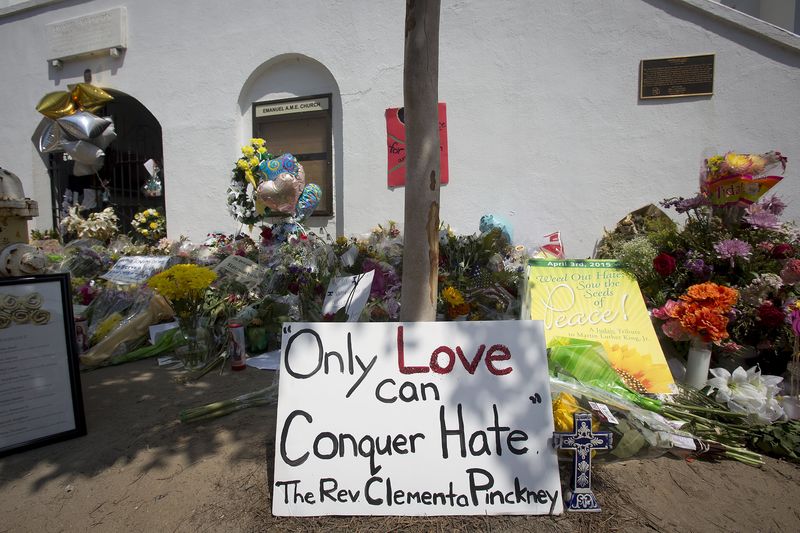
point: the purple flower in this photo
(682, 205)
(698, 269)
(759, 217)
(795, 319)
(384, 278)
(731, 248)
(773, 204)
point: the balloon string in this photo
(293, 220)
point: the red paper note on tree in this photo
(396, 145)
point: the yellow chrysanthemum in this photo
(452, 296)
(258, 142)
(261, 150)
(248, 151)
(153, 225)
(637, 370)
(253, 162)
(241, 164)
(183, 285)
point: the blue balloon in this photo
(308, 201)
(490, 222)
(285, 163)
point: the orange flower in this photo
(703, 321)
(455, 311)
(718, 297)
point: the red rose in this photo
(782, 251)
(664, 264)
(266, 234)
(770, 316)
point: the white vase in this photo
(791, 406)
(697, 363)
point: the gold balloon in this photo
(56, 105)
(88, 97)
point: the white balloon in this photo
(83, 151)
(82, 169)
(50, 139)
(84, 125)
(105, 138)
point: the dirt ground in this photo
(140, 469)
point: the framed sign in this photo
(673, 77)
(40, 392)
(414, 418)
(302, 127)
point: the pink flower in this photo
(666, 311)
(672, 328)
(791, 272)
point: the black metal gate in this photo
(123, 175)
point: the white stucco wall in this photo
(544, 123)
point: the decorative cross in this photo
(583, 441)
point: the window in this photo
(301, 127)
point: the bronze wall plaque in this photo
(674, 77)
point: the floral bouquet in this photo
(184, 286)
(149, 224)
(244, 182)
(733, 237)
(479, 275)
(101, 226)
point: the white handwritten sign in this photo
(350, 293)
(425, 418)
(244, 270)
(136, 268)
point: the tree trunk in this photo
(421, 222)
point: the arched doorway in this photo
(120, 182)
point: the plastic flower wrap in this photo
(735, 179)
(149, 224)
(581, 369)
(586, 361)
(127, 330)
(637, 432)
(85, 258)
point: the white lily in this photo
(748, 392)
